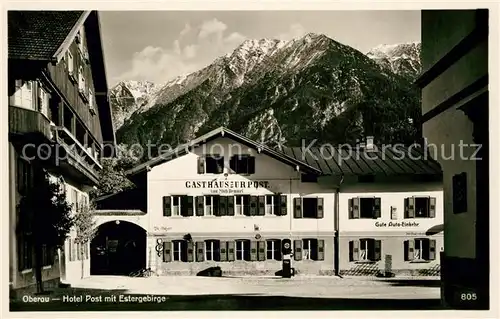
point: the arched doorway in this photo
(118, 249)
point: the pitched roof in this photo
(223, 132)
(39, 35)
(394, 160)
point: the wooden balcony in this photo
(76, 155)
(28, 122)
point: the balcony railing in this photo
(25, 121)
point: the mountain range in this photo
(277, 92)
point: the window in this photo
(270, 204)
(74, 198)
(176, 205)
(43, 101)
(82, 87)
(214, 164)
(309, 249)
(420, 207)
(243, 249)
(459, 182)
(23, 94)
(273, 249)
(364, 250)
(240, 205)
(365, 207)
(212, 250)
(180, 250)
(307, 207)
(310, 207)
(420, 249)
(242, 164)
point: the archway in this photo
(118, 249)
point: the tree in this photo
(85, 226)
(46, 215)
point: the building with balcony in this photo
(225, 200)
(59, 122)
(455, 98)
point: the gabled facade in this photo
(59, 121)
(224, 200)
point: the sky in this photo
(159, 45)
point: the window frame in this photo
(214, 251)
(244, 250)
(312, 249)
(316, 200)
(273, 249)
(218, 162)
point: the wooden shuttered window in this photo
(353, 250)
(432, 249)
(366, 249)
(377, 250)
(432, 207)
(426, 246)
(187, 206)
(297, 207)
(410, 207)
(200, 251)
(297, 247)
(167, 206)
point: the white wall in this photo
(170, 179)
(392, 195)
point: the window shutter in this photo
(167, 251)
(223, 205)
(233, 163)
(297, 210)
(167, 208)
(200, 205)
(230, 205)
(216, 205)
(297, 247)
(230, 250)
(354, 250)
(410, 244)
(189, 203)
(432, 249)
(283, 204)
(319, 211)
(253, 205)
(200, 251)
(201, 165)
(253, 250)
(410, 209)
(251, 165)
(262, 206)
(376, 208)
(432, 207)
(223, 251)
(355, 207)
(377, 250)
(321, 249)
(261, 245)
(277, 205)
(190, 255)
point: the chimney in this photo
(369, 143)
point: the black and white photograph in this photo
(220, 159)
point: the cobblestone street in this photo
(242, 293)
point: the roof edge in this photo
(58, 55)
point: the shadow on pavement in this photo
(114, 300)
(434, 283)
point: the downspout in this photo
(336, 239)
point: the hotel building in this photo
(59, 122)
(225, 200)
